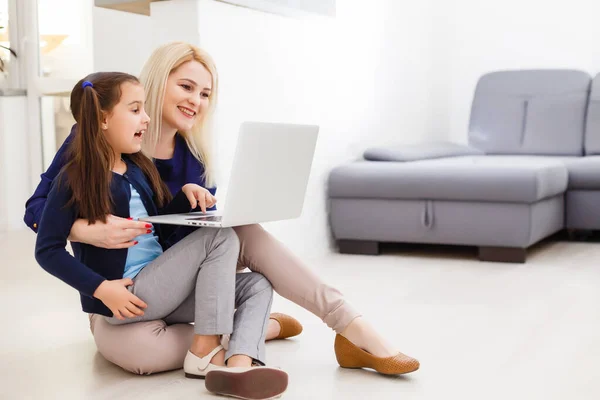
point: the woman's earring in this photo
(104, 127)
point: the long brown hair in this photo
(88, 172)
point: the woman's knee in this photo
(143, 348)
(246, 232)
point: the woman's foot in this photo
(349, 355)
(251, 383)
(360, 346)
(363, 335)
(282, 326)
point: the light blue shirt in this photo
(148, 248)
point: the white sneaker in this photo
(197, 367)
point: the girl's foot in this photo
(252, 383)
(196, 366)
(202, 345)
(282, 326)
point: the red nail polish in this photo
(149, 231)
(130, 218)
(136, 242)
(148, 225)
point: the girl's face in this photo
(186, 96)
(125, 125)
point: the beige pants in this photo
(154, 346)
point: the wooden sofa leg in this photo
(502, 254)
(358, 247)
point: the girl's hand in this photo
(198, 196)
(116, 233)
(119, 300)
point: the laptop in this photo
(268, 179)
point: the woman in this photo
(181, 85)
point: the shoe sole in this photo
(192, 376)
(408, 371)
(255, 384)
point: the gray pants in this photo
(196, 281)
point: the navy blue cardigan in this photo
(183, 168)
(92, 265)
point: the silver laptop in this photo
(268, 179)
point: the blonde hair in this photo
(154, 75)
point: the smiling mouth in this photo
(187, 111)
(139, 133)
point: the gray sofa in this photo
(531, 168)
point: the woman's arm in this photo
(116, 233)
(36, 203)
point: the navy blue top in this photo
(91, 265)
(183, 168)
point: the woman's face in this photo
(186, 96)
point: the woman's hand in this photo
(119, 300)
(116, 233)
(198, 196)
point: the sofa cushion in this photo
(423, 151)
(470, 178)
(530, 112)
(584, 173)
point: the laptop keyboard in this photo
(207, 218)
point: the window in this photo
(64, 37)
(53, 42)
(65, 56)
(5, 54)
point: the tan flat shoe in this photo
(350, 356)
(290, 327)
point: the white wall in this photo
(122, 41)
(363, 77)
(389, 72)
(474, 37)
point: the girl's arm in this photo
(190, 198)
(52, 256)
(50, 251)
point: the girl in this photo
(181, 82)
(195, 280)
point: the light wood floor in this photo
(480, 330)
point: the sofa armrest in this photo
(422, 151)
